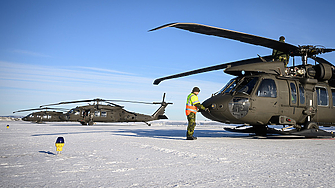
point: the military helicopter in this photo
(44, 115)
(265, 92)
(109, 112)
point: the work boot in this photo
(191, 138)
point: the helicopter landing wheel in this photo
(311, 125)
(83, 123)
(261, 130)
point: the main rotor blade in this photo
(130, 101)
(113, 104)
(212, 68)
(34, 109)
(70, 102)
(325, 50)
(225, 33)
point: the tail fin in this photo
(159, 114)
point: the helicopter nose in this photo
(227, 108)
(218, 108)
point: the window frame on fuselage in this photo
(270, 92)
(318, 96)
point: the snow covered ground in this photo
(135, 155)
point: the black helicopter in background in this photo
(96, 112)
(266, 92)
(109, 112)
(43, 114)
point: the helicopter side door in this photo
(297, 101)
(324, 96)
(86, 115)
(267, 99)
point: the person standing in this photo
(281, 56)
(192, 107)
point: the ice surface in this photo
(135, 155)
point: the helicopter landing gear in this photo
(147, 123)
(258, 130)
(309, 130)
(261, 130)
(311, 125)
(83, 123)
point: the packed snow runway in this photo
(135, 155)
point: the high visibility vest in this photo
(192, 99)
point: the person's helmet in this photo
(281, 38)
(196, 89)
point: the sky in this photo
(53, 51)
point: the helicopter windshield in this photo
(240, 84)
(230, 85)
(74, 111)
(246, 85)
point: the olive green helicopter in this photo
(109, 112)
(43, 114)
(265, 92)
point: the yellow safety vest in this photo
(192, 99)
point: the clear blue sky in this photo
(52, 51)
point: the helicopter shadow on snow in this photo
(168, 133)
(181, 134)
(178, 134)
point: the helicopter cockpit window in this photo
(229, 86)
(103, 114)
(293, 93)
(267, 88)
(97, 113)
(333, 95)
(74, 111)
(322, 95)
(246, 86)
(302, 94)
